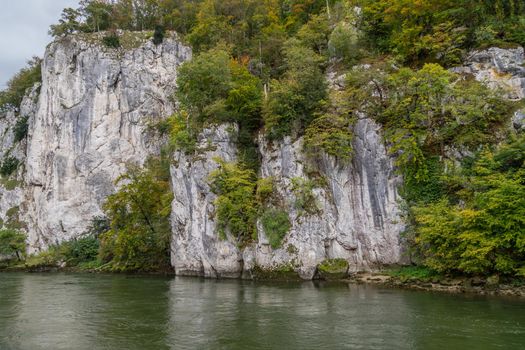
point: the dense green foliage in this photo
(480, 228)
(299, 93)
(12, 242)
(429, 109)
(236, 204)
(112, 40)
(440, 30)
(138, 238)
(77, 253)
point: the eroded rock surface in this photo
(196, 249)
(357, 216)
(94, 109)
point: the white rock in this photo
(359, 217)
(196, 249)
(500, 68)
(94, 108)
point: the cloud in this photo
(24, 25)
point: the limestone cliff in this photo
(92, 114)
(92, 119)
(358, 216)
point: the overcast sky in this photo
(23, 31)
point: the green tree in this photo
(97, 14)
(68, 23)
(429, 109)
(12, 242)
(483, 231)
(294, 99)
(139, 212)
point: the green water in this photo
(82, 311)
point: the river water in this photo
(83, 311)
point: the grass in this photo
(412, 272)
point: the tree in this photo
(431, 108)
(12, 242)
(97, 14)
(215, 87)
(68, 23)
(139, 212)
(294, 99)
(482, 231)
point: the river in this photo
(84, 311)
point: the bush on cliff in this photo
(236, 204)
(17, 86)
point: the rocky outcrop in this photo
(357, 216)
(499, 68)
(502, 69)
(94, 110)
(196, 249)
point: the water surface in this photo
(83, 311)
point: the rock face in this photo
(196, 249)
(93, 114)
(499, 68)
(11, 187)
(357, 216)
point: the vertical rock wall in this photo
(358, 217)
(94, 110)
(196, 249)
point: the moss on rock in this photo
(333, 269)
(278, 273)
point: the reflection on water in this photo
(80, 311)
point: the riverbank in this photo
(400, 278)
(492, 285)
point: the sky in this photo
(23, 31)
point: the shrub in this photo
(158, 35)
(21, 128)
(236, 205)
(305, 200)
(84, 249)
(276, 225)
(265, 188)
(112, 41)
(9, 165)
(182, 134)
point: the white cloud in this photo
(23, 31)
